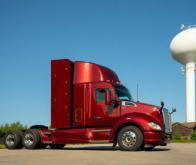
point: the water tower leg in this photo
(190, 92)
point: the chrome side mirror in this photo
(173, 110)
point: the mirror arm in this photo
(160, 111)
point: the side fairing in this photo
(61, 93)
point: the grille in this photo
(167, 121)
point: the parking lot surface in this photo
(97, 154)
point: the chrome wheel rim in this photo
(129, 138)
(28, 139)
(10, 140)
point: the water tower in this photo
(183, 50)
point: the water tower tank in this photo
(183, 50)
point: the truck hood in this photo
(147, 105)
(144, 108)
(139, 104)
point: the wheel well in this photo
(122, 126)
(39, 127)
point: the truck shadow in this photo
(93, 148)
(159, 149)
(109, 148)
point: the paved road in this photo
(173, 154)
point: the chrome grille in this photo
(167, 121)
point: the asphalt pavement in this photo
(101, 154)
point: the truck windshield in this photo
(123, 93)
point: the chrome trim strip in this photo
(98, 141)
(101, 130)
(52, 129)
(47, 133)
(167, 121)
(47, 142)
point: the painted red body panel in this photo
(76, 135)
(61, 84)
(76, 115)
(85, 72)
(141, 113)
(156, 138)
(80, 105)
(100, 113)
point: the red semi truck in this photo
(90, 105)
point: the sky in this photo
(131, 37)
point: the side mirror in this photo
(173, 110)
(107, 98)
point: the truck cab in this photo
(90, 105)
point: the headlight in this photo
(155, 126)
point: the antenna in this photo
(137, 92)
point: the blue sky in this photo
(131, 37)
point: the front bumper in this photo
(156, 138)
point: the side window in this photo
(100, 95)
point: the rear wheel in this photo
(130, 138)
(57, 146)
(13, 140)
(31, 139)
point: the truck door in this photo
(102, 114)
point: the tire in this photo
(31, 139)
(13, 140)
(56, 146)
(130, 138)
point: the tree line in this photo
(185, 137)
(5, 128)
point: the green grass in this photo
(183, 141)
(2, 146)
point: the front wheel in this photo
(130, 138)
